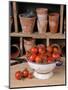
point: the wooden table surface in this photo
(57, 79)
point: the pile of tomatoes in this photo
(23, 74)
(43, 54)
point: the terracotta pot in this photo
(15, 51)
(42, 11)
(53, 22)
(42, 14)
(27, 23)
(29, 43)
(42, 26)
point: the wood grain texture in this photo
(15, 16)
(61, 17)
(39, 36)
(57, 79)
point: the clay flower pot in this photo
(53, 22)
(27, 23)
(42, 26)
(29, 43)
(42, 14)
(15, 51)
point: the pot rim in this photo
(26, 17)
(40, 63)
(54, 14)
(39, 9)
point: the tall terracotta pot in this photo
(42, 14)
(53, 22)
(27, 23)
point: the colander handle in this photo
(59, 63)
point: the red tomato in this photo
(49, 49)
(38, 59)
(50, 59)
(30, 75)
(25, 72)
(34, 50)
(43, 56)
(28, 53)
(48, 54)
(18, 75)
(55, 49)
(55, 56)
(32, 57)
(41, 50)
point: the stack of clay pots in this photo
(42, 14)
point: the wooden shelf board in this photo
(41, 36)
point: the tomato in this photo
(43, 56)
(25, 72)
(34, 50)
(28, 53)
(50, 59)
(55, 50)
(55, 56)
(38, 59)
(30, 75)
(18, 75)
(48, 54)
(49, 49)
(41, 50)
(32, 57)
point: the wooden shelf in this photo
(41, 36)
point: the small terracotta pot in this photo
(53, 22)
(29, 43)
(15, 51)
(27, 23)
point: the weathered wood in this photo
(21, 47)
(15, 16)
(40, 36)
(47, 42)
(61, 17)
